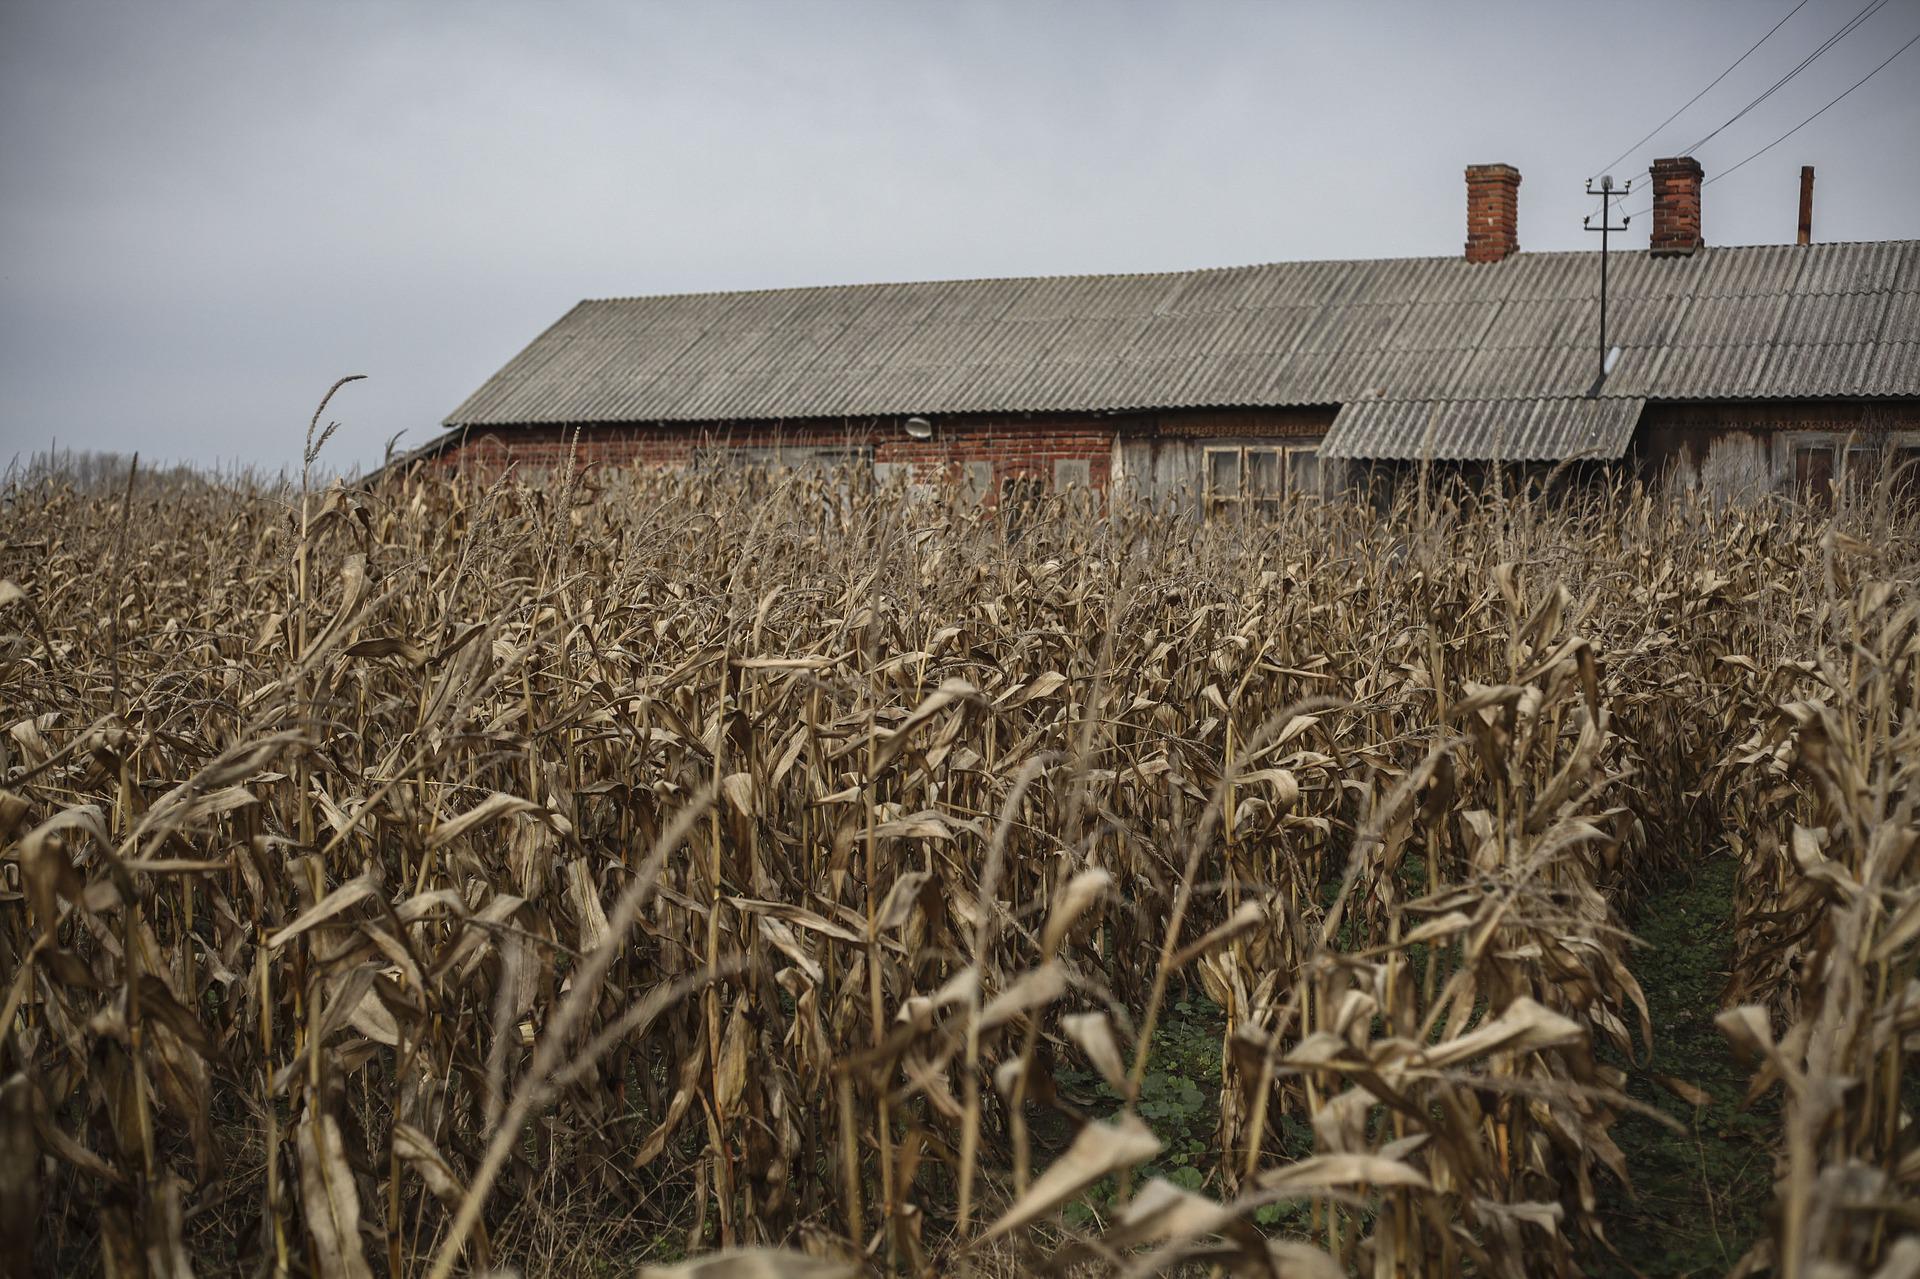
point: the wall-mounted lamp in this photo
(918, 428)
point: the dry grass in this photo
(439, 877)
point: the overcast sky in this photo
(208, 211)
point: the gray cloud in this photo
(211, 210)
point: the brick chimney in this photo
(1493, 212)
(1676, 207)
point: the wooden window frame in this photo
(1294, 488)
(1905, 482)
(1806, 488)
(1212, 501)
(1859, 465)
(1284, 453)
(1848, 447)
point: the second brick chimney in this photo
(1493, 212)
(1676, 207)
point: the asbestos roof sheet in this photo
(1548, 429)
(1748, 323)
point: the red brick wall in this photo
(545, 446)
(1017, 447)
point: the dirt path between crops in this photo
(1701, 1192)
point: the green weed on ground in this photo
(1700, 1194)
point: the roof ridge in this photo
(771, 290)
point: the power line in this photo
(1703, 93)
(1852, 24)
(1816, 115)
(1804, 123)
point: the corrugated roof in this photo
(1747, 323)
(1539, 430)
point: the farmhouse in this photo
(1775, 366)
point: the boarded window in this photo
(977, 480)
(1071, 473)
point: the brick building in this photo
(1761, 366)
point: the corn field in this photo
(769, 874)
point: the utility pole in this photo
(1608, 193)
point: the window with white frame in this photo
(1303, 470)
(1255, 478)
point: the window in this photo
(1303, 470)
(1257, 477)
(1903, 468)
(1862, 467)
(1261, 485)
(1223, 479)
(976, 479)
(1813, 471)
(1020, 497)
